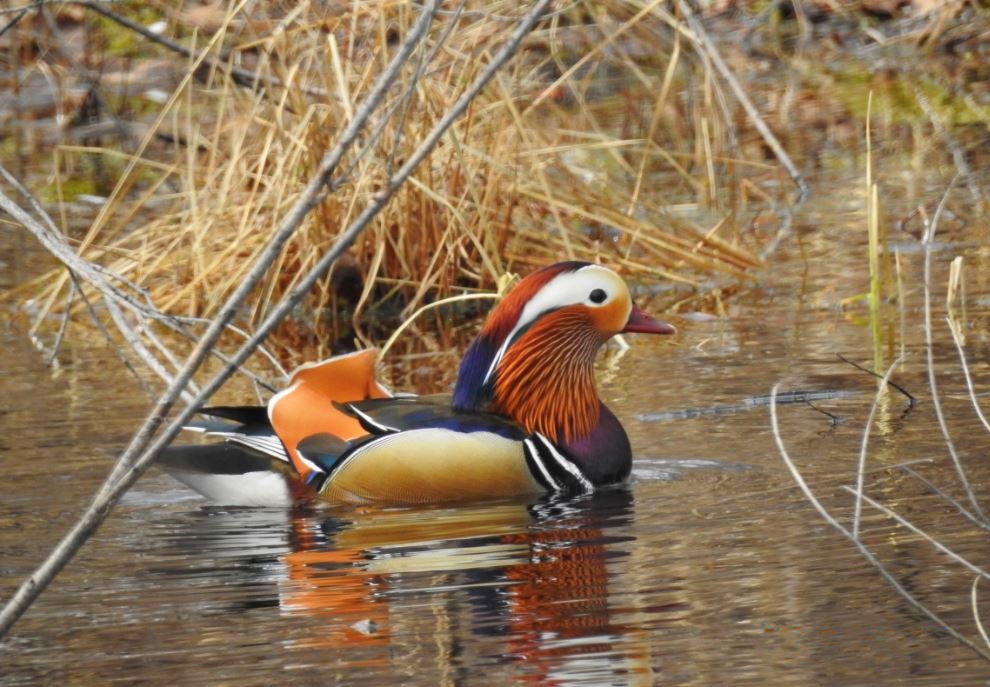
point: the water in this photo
(709, 567)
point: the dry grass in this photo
(604, 141)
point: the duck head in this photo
(533, 360)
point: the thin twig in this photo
(63, 325)
(110, 340)
(930, 355)
(50, 237)
(953, 502)
(706, 43)
(13, 22)
(861, 468)
(137, 345)
(966, 375)
(904, 522)
(241, 76)
(824, 482)
(866, 553)
(912, 401)
(976, 612)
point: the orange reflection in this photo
(534, 575)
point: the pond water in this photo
(709, 567)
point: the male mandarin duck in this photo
(524, 419)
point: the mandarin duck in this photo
(524, 418)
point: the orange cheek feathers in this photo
(610, 319)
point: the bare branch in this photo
(142, 451)
(861, 469)
(867, 554)
(930, 356)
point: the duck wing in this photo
(390, 415)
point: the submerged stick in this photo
(930, 357)
(867, 554)
(912, 401)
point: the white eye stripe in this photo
(569, 288)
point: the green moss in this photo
(895, 96)
(71, 188)
(119, 41)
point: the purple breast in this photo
(605, 455)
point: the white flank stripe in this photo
(310, 464)
(566, 464)
(367, 418)
(535, 455)
(270, 446)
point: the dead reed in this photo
(579, 151)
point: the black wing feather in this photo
(422, 412)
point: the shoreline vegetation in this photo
(179, 138)
(205, 165)
(608, 139)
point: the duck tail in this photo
(234, 474)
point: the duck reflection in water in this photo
(528, 583)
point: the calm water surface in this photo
(708, 568)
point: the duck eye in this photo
(598, 296)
